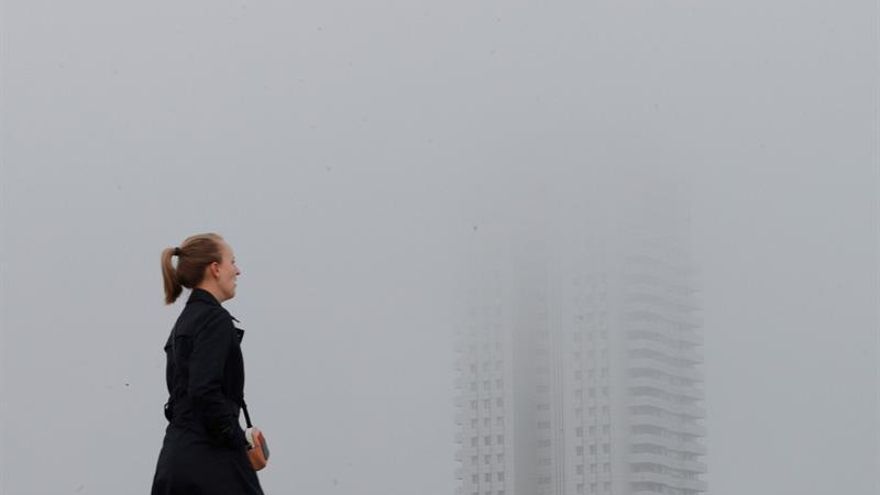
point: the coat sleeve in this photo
(211, 346)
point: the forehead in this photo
(226, 250)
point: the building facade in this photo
(579, 369)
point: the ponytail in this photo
(169, 277)
(193, 256)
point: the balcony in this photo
(688, 391)
(669, 480)
(686, 372)
(665, 313)
(673, 338)
(688, 410)
(668, 443)
(668, 424)
(694, 467)
(663, 349)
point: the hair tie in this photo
(177, 251)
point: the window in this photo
(580, 469)
(475, 479)
(487, 458)
(473, 441)
(499, 402)
(500, 458)
(579, 431)
(474, 423)
(606, 448)
(500, 439)
(580, 450)
(500, 475)
(487, 440)
(487, 477)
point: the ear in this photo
(215, 269)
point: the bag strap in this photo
(247, 417)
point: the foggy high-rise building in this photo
(578, 367)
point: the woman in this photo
(205, 450)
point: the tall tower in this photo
(660, 355)
(579, 364)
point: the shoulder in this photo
(217, 317)
(197, 317)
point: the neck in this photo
(211, 289)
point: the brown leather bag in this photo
(258, 450)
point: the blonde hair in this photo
(193, 256)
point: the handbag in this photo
(258, 449)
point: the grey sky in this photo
(348, 150)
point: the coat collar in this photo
(202, 295)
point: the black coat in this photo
(204, 451)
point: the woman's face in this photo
(227, 273)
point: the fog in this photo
(369, 161)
